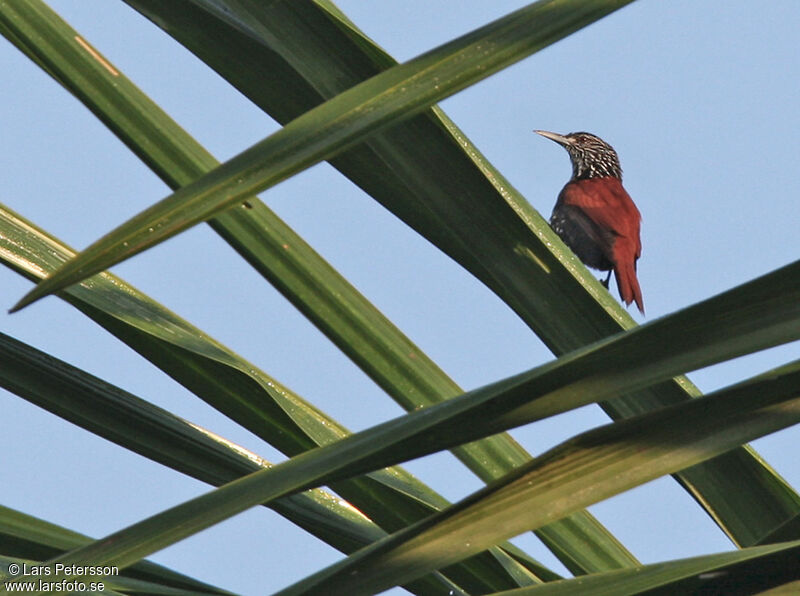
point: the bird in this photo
(595, 216)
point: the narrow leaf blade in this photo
(759, 313)
(334, 305)
(343, 121)
(429, 174)
(584, 470)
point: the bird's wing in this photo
(607, 205)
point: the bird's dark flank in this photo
(595, 216)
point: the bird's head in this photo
(591, 156)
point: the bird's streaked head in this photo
(591, 156)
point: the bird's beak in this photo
(561, 140)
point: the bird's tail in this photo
(628, 284)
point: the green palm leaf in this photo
(33, 539)
(356, 326)
(738, 571)
(153, 432)
(231, 384)
(387, 98)
(588, 468)
(428, 173)
(760, 314)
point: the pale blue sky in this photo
(701, 103)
